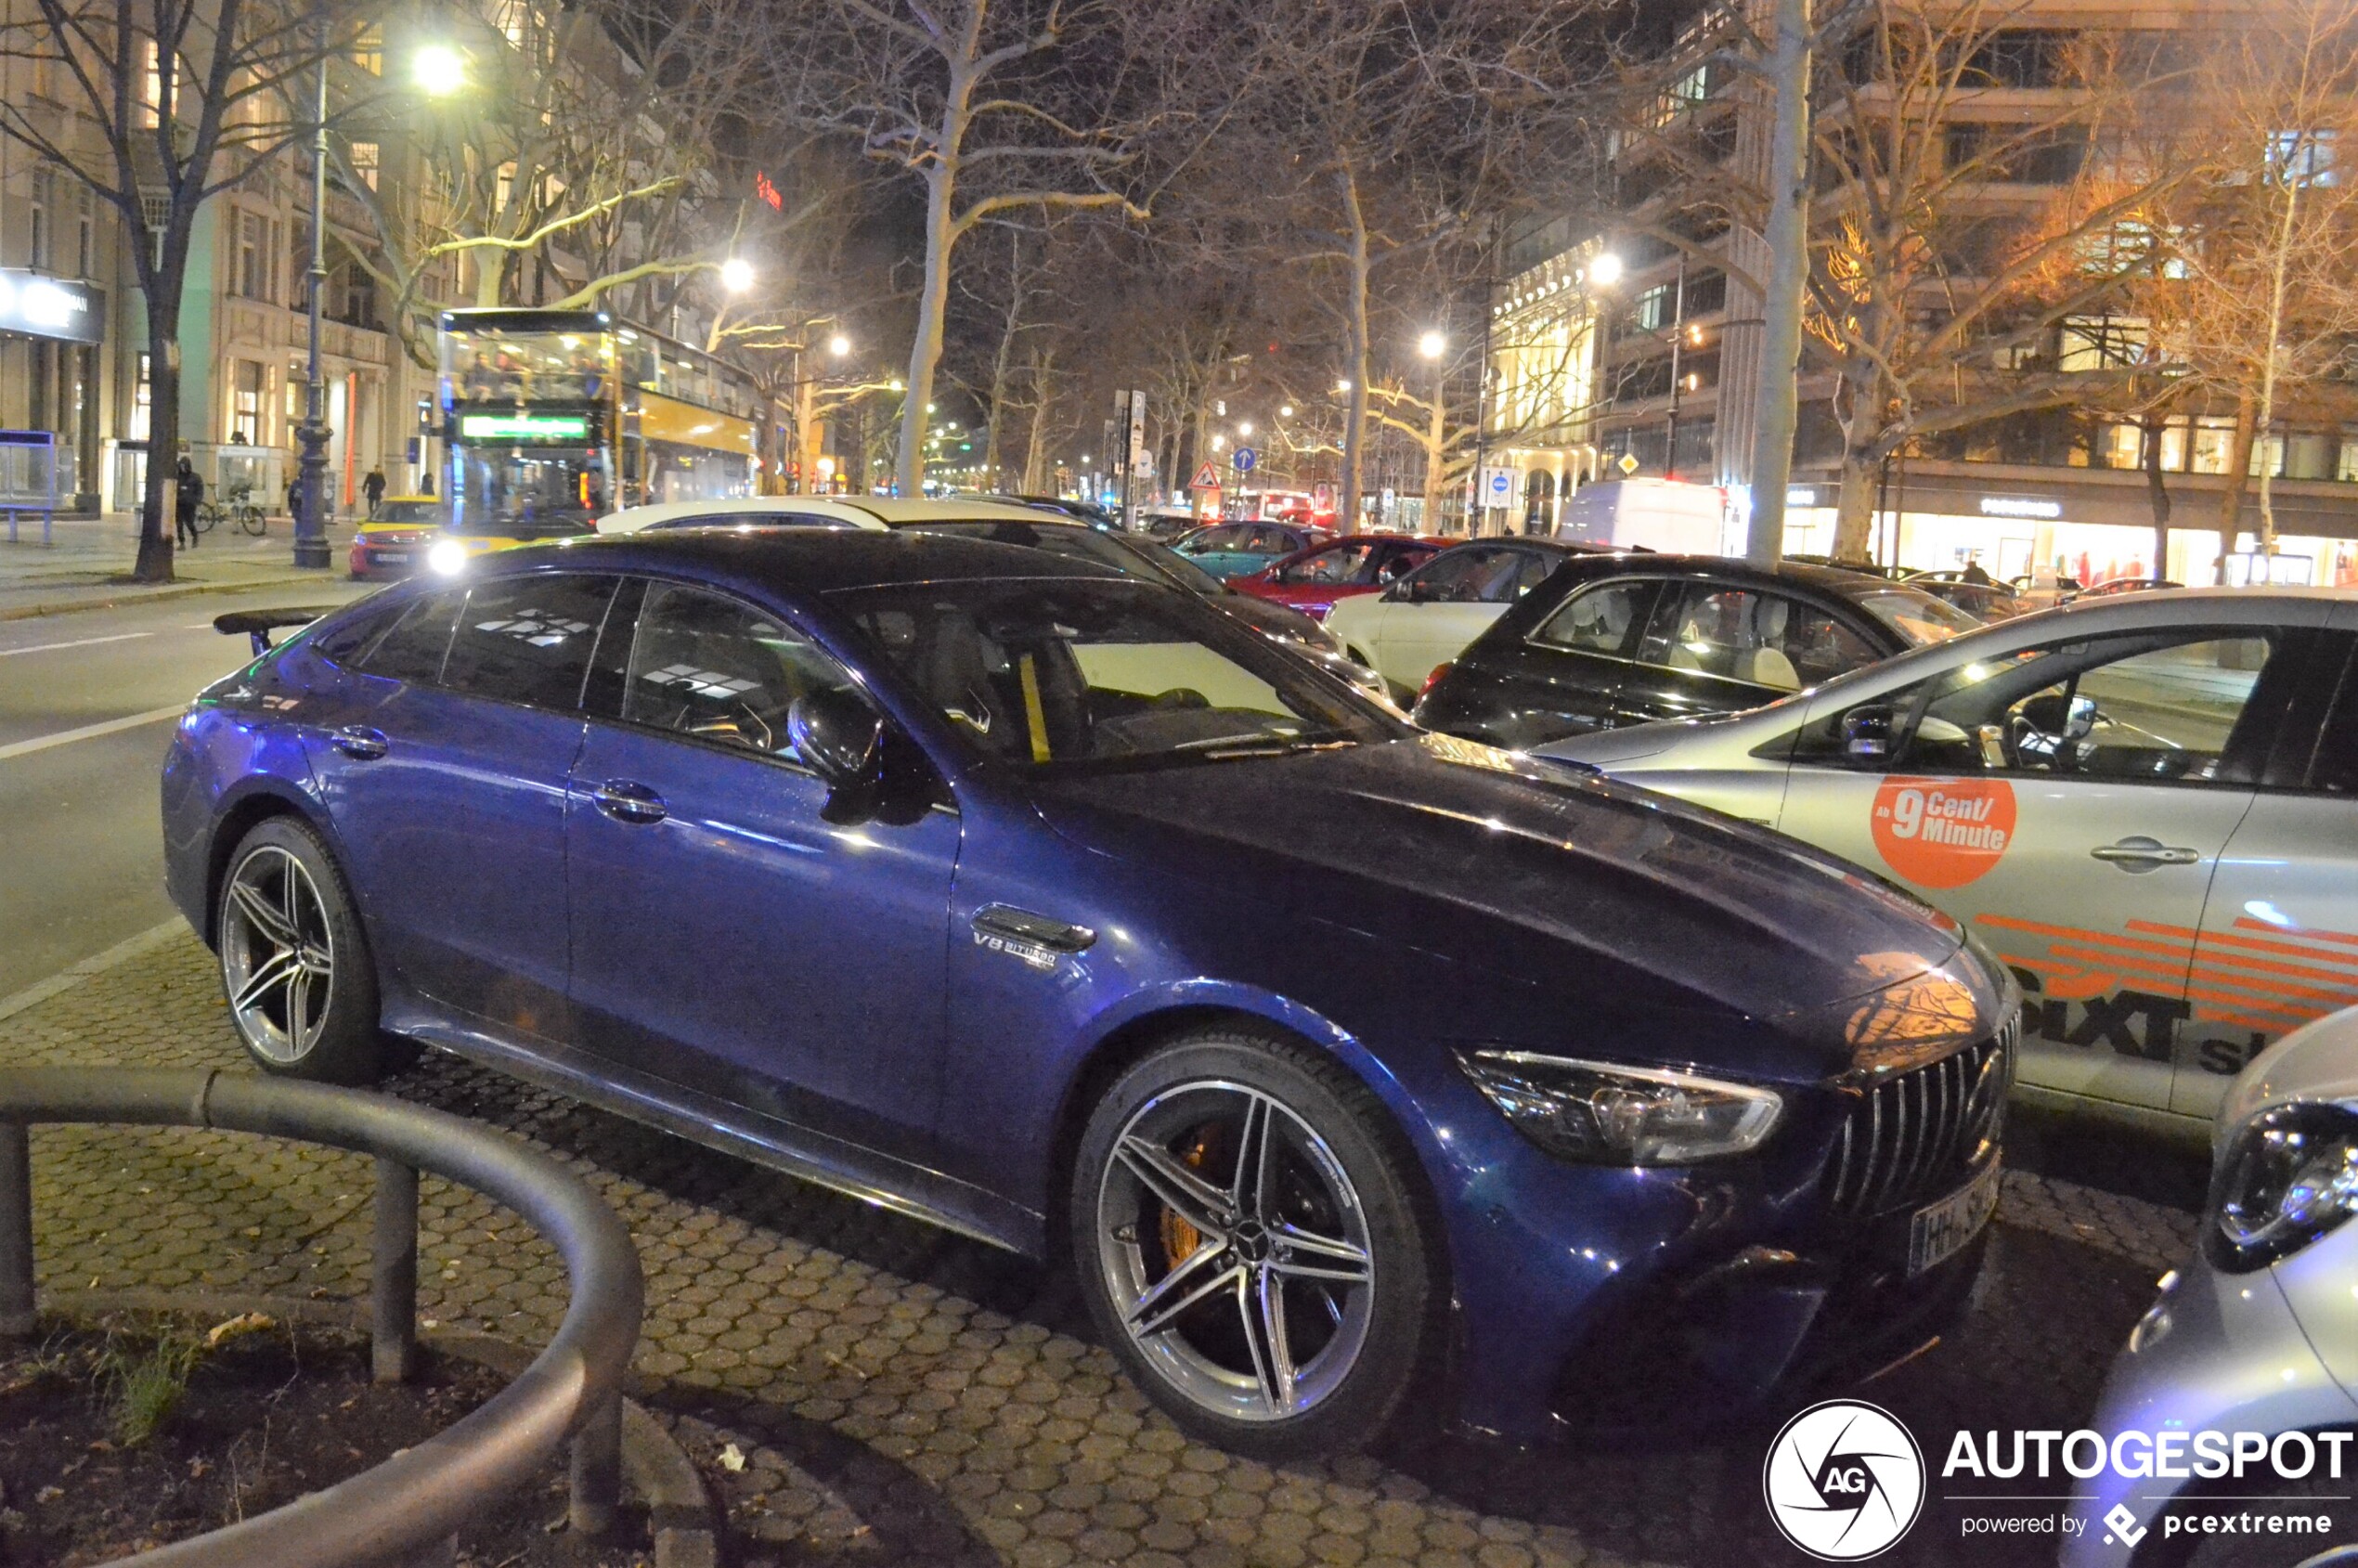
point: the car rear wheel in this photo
(1249, 1245)
(294, 963)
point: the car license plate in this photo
(1940, 1230)
(388, 558)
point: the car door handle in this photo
(2137, 853)
(359, 743)
(629, 802)
(1037, 930)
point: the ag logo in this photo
(1844, 1481)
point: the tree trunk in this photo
(933, 300)
(1044, 396)
(1436, 442)
(1855, 505)
(2158, 493)
(1355, 334)
(154, 563)
(2231, 503)
(808, 437)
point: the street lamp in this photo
(311, 468)
(439, 70)
(1244, 428)
(1433, 345)
(736, 275)
(838, 345)
(1604, 271)
(1285, 410)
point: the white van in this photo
(1666, 514)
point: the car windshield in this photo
(1075, 675)
(1914, 613)
(409, 511)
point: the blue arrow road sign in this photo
(1244, 460)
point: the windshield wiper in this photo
(1221, 748)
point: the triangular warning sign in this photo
(1207, 478)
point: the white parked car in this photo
(1426, 618)
(2257, 1334)
(2147, 804)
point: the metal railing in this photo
(573, 1391)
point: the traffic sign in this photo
(1207, 478)
(1244, 460)
(1629, 463)
(1498, 487)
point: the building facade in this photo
(1675, 340)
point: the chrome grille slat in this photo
(1906, 1138)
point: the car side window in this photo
(1399, 562)
(1337, 564)
(720, 670)
(2163, 707)
(527, 639)
(1224, 537)
(1736, 633)
(1265, 540)
(413, 649)
(1536, 567)
(1599, 618)
(349, 639)
(1449, 577)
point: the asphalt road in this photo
(87, 701)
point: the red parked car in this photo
(1310, 580)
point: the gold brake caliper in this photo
(1180, 1239)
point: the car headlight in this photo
(2290, 1176)
(1621, 1115)
(449, 557)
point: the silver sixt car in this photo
(2147, 805)
(2255, 1340)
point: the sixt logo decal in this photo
(1844, 1481)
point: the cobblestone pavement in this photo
(897, 1395)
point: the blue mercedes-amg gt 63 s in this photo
(1342, 1061)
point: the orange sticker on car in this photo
(1943, 832)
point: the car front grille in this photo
(1916, 1134)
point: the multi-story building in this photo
(1673, 317)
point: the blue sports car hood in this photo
(1582, 885)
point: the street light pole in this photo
(311, 533)
(1677, 340)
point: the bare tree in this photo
(995, 107)
(2253, 303)
(1933, 317)
(1367, 136)
(172, 102)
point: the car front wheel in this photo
(294, 963)
(1249, 1245)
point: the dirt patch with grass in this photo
(130, 1432)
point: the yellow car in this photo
(393, 543)
(453, 546)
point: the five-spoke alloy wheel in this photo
(1249, 1244)
(294, 964)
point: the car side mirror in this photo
(840, 738)
(1868, 733)
(2051, 715)
(1414, 591)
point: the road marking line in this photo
(90, 731)
(77, 643)
(122, 953)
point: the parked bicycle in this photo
(237, 508)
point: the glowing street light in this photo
(439, 70)
(1285, 410)
(1343, 385)
(1433, 345)
(736, 275)
(1605, 270)
(1244, 428)
(838, 345)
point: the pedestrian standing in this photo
(294, 500)
(188, 495)
(373, 487)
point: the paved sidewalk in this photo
(902, 1396)
(88, 563)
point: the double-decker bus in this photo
(553, 418)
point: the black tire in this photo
(281, 866)
(1368, 1341)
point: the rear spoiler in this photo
(259, 623)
